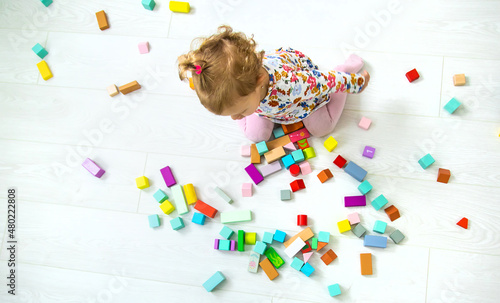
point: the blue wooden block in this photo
(198, 218)
(262, 147)
(379, 202)
(260, 247)
(298, 155)
(160, 196)
(355, 171)
(426, 161)
(278, 132)
(452, 105)
(379, 227)
(40, 51)
(268, 238)
(224, 244)
(297, 263)
(324, 236)
(279, 236)
(148, 4)
(307, 269)
(334, 290)
(226, 232)
(154, 221)
(365, 187)
(177, 223)
(375, 241)
(213, 281)
(46, 2)
(288, 161)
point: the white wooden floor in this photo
(83, 239)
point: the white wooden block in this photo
(295, 247)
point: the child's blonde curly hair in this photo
(229, 68)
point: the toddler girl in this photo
(258, 89)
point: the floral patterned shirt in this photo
(297, 88)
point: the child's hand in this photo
(366, 75)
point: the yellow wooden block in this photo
(250, 238)
(44, 70)
(330, 144)
(167, 207)
(142, 182)
(191, 83)
(179, 7)
(344, 226)
(190, 194)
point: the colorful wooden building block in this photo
(226, 232)
(179, 6)
(253, 262)
(306, 248)
(167, 207)
(278, 142)
(309, 153)
(298, 135)
(278, 132)
(142, 182)
(392, 212)
(321, 245)
(245, 150)
(412, 75)
(302, 220)
(379, 227)
(426, 161)
(353, 218)
(93, 168)
(224, 245)
(294, 170)
(365, 187)
(328, 257)
(452, 105)
(379, 202)
(216, 244)
(307, 256)
(443, 175)
(288, 128)
(129, 87)
(459, 79)
(359, 230)
(235, 216)
(190, 193)
(44, 70)
(334, 290)
(268, 237)
(305, 235)
(303, 144)
(269, 269)
(40, 51)
(214, 280)
(298, 155)
(269, 169)
(254, 174)
(330, 144)
(260, 247)
(366, 264)
(305, 168)
(294, 247)
(344, 226)
(254, 154)
(397, 236)
(179, 199)
(160, 196)
(307, 269)
(365, 123)
(352, 201)
(355, 171)
(205, 209)
(250, 238)
(148, 4)
(297, 185)
(112, 90)
(286, 194)
(275, 154)
(46, 2)
(143, 47)
(324, 236)
(262, 147)
(177, 223)
(288, 161)
(154, 221)
(325, 175)
(464, 223)
(241, 240)
(375, 241)
(340, 161)
(274, 257)
(290, 146)
(369, 152)
(102, 20)
(297, 263)
(246, 189)
(314, 243)
(198, 218)
(279, 236)
(223, 195)
(168, 177)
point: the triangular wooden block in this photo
(321, 245)
(307, 256)
(464, 222)
(290, 146)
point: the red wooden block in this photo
(303, 144)
(301, 220)
(306, 248)
(297, 185)
(205, 209)
(412, 75)
(294, 170)
(340, 161)
(464, 222)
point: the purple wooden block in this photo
(216, 244)
(271, 168)
(369, 152)
(351, 201)
(168, 176)
(233, 245)
(93, 168)
(254, 174)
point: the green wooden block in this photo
(179, 199)
(426, 161)
(241, 240)
(235, 216)
(46, 2)
(314, 243)
(309, 153)
(365, 187)
(273, 256)
(40, 51)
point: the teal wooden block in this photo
(286, 195)
(213, 281)
(358, 230)
(40, 51)
(260, 247)
(278, 132)
(307, 269)
(262, 148)
(297, 263)
(177, 223)
(324, 236)
(334, 290)
(160, 196)
(268, 238)
(279, 236)
(452, 105)
(397, 236)
(379, 202)
(224, 244)
(226, 232)
(198, 218)
(379, 227)
(426, 161)
(288, 161)
(154, 221)
(148, 4)
(46, 2)
(365, 187)
(298, 155)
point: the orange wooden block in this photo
(464, 223)
(305, 235)
(443, 175)
(392, 212)
(366, 264)
(269, 269)
(274, 154)
(129, 87)
(324, 175)
(281, 141)
(288, 128)
(191, 84)
(321, 245)
(328, 257)
(102, 20)
(254, 154)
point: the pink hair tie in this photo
(198, 69)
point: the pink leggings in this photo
(319, 123)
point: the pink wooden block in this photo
(233, 245)
(299, 135)
(305, 168)
(353, 218)
(290, 146)
(365, 123)
(307, 256)
(143, 47)
(93, 168)
(246, 189)
(245, 150)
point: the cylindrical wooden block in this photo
(294, 170)
(301, 220)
